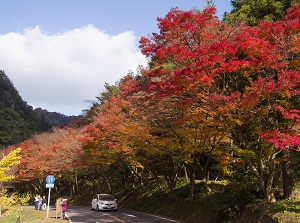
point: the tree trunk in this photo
(171, 181)
(186, 174)
(108, 185)
(192, 182)
(288, 176)
(190, 174)
(265, 176)
(206, 187)
(268, 193)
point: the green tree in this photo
(18, 120)
(13, 127)
(250, 12)
(110, 90)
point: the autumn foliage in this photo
(48, 153)
(213, 99)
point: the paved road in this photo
(78, 214)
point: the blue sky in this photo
(59, 53)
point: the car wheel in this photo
(115, 209)
(92, 208)
(97, 208)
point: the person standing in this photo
(44, 203)
(64, 207)
(36, 202)
(40, 202)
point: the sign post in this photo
(50, 184)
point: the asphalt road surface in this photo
(78, 214)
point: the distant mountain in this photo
(54, 118)
(18, 120)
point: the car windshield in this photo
(106, 198)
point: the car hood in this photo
(107, 202)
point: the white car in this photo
(101, 202)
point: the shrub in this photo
(10, 203)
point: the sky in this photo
(60, 53)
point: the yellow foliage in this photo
(245, 153)
(11, 203)
(13, 158)
(226, 171)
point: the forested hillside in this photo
(54, 118)
(18, 120)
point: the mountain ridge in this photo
(18, 120)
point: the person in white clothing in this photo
(44, 203)
(36, 202)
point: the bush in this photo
(237, 194)
(10, 203)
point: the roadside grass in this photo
(222, 204)
(203, 207)
(288, 205)
(288, 210)
(28, 215)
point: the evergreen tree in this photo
(250, 12)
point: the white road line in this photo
(130, 215)
(157, 216)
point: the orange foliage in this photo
(56, 151)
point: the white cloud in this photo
(60, 72)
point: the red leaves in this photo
(293, 14)
(204, 80)
(206, 74)
(289, 114)
(281, 140)
(182, 26)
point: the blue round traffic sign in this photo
(50, 179)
